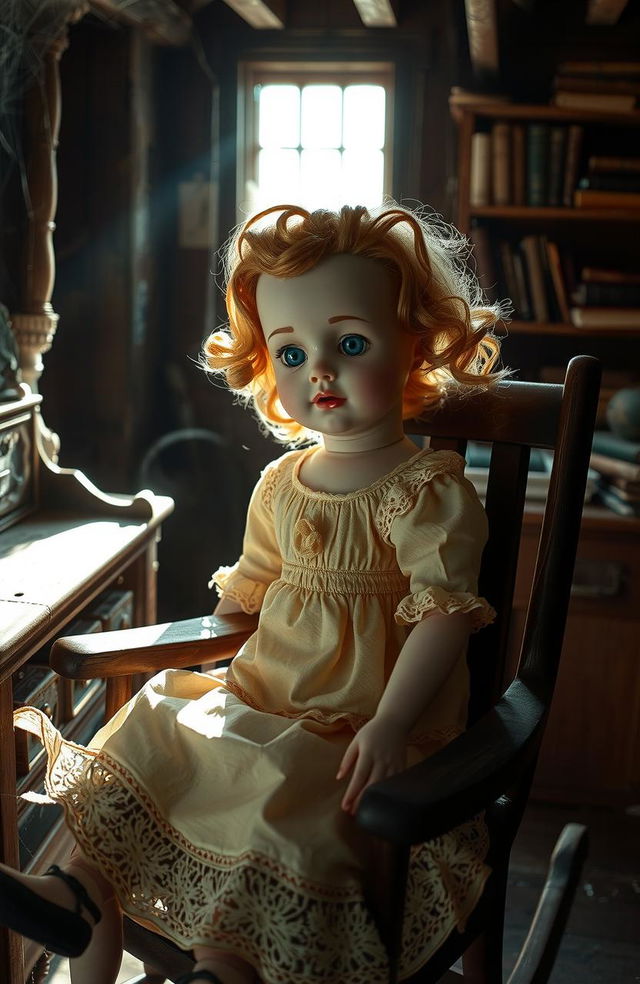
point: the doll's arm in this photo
(227, 606)
(427, 658)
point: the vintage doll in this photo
(218, 808)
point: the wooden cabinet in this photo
(591, 749)
(80, 561)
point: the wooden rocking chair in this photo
(490, 767)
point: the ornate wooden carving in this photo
(35, 325)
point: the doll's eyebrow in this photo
(330, 321)
(278, 330)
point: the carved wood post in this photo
(35, 325)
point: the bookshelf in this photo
(497, 222)
(590, 752)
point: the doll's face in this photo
(334, 331)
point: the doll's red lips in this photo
(328, 400)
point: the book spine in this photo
(559, 288)
(522, 289)
(614, 466)
(537, 148)
(535, 278)
(573, 155)
(595, 100)
(608, 498)
(518, 164)
(619, 68)
(501, 163)
(485, 267)
(606, 318)
(480, 178)
(628, 165)
(608, 443)
(611, 182)
(598, 275)
(578, 83)
(606, 199)
(608, 295)
(509, 277)
(555, 178)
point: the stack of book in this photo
(606, 299)
(478, 459)
(533, 276)
(606, 86)
(610, 182)
(617, 462)
(530, 164)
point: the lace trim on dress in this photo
(272, 474)
(401, 496)
(414, 607)
(248, 594)
(293, 930)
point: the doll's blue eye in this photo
(292, 356)
(353, 345)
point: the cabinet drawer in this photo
(35, 686)
(74, 694)
(113, 609)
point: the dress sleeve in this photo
(439, 538)
(260, 562)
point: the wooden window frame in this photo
(300, 72)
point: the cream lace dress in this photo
(211, 801)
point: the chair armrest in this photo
(152, 647)
(536, 959)
(461, 779)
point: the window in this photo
(318, 136)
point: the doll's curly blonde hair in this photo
(439, 300)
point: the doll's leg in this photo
(229, 968)
(100, 962)
(22, 912)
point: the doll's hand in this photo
(378, 750)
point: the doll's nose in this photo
(320, 372)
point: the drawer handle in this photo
(597, 579)
(47, 710)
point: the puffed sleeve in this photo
(260, 562)
(439, 532)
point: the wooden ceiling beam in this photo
(482, 30)
(260, 14)
(376, 13)
(604, 11)
(163, 21)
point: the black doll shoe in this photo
(202, 975)
(58, 929)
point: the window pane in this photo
(362, 173)
(321, 175)
(363, 116)
(278, 177)
(279, 116)
(321, 116)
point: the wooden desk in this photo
(54, 567)
(591, 748)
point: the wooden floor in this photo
(602, 943)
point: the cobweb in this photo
(27, 28)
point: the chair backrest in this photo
(515, 417)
